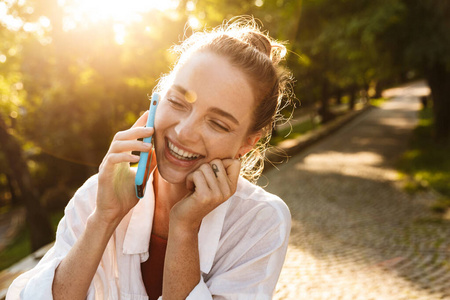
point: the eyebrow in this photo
(179, 88)
(212, 109)
(224, 114)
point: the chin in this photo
(172, 178)
(170, 174)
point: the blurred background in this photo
(74, 72)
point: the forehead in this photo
(216, 82)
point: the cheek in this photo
(220, 146)
(162, 117)
(161, 123)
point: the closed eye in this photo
(176, 103)
(219, 126)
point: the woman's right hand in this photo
(116, 194)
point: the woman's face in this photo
(205, 114)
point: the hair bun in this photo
(274, 50)
(260, 42)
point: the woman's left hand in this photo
(211, 185)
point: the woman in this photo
(201, 231)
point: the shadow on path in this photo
(355, 233)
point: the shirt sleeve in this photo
(37, 282)
(200, 291)
(250, 257)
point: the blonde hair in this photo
(243, 43)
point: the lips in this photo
(181, 154)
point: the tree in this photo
(420, 40)
(14, 160)
(41, 232)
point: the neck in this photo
(167, 194)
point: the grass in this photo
(311, 124)
(20, 246)
(427, 164)
(291, 133)
(377, 101)
(18, 249)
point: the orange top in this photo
(152, 269)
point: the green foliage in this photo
(427, 163)
(419, 36)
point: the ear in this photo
(248, 144)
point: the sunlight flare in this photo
(116, 10)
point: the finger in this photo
(233, 168)
(227, 162)
(217, 186)
(128, 146)
(197, 182)
(215, 168)
(224, 182)
(115, 158)
(134, 133)
(122, 157)
(141, 121)
(190, 182)
(210, 175)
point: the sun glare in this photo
(116, 10)
(86, 13)
(120, 12)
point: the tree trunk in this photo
(438, 79)
(41, 232)
(352, 101)
(324, 110)
(379, 89)
(12, 186)
(339, 96)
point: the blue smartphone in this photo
(143, 170)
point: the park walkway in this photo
(355, 233)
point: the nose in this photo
(188, 130)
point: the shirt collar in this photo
(137, 237)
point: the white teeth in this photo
(181, 154)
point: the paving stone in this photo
(355, 233)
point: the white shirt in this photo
(242, 246)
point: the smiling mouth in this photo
(181, 154)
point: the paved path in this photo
(355, 233)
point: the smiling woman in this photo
(201, 230)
